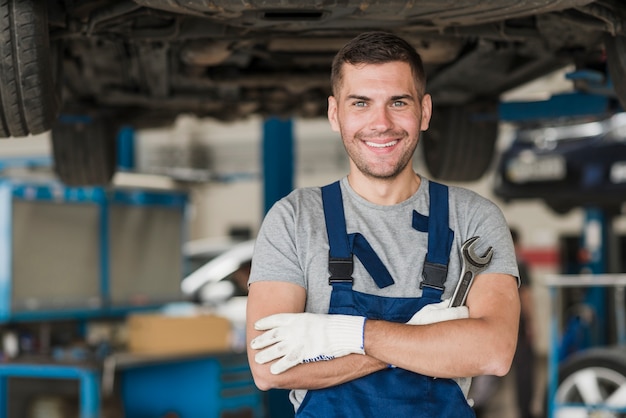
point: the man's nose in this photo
(381, 119)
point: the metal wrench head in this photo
(469, 254)
(471, 265)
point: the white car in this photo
(220, 283)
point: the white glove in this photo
(306, 337)
(438, 312)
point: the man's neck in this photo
(385, 191)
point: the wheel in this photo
(592, 379)
(28, 94)
(84, 150)
(459, 144)
(616, 62)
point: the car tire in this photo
(616, 62)
(28, 95)
(459, 144)
(84, 150)
(591, 379)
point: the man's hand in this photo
(306, 337)
(438, 312)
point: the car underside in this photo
(144, 62)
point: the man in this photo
(359, 344)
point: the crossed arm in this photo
(484, 343)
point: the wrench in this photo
(472, 266)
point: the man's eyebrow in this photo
(391, 99)
(357, 97)
(402, 97)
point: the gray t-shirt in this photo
(292, 245)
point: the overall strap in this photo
(340, 263)
(440, 238)
(343, 245)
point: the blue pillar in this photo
(4, 407)
(595, 244)
(278, 173)
(6, 249)
(126, 149)
(278, 156)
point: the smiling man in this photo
(349, 291)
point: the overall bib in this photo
(392, 392)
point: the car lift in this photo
(597, 238)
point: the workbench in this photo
(88, 377)
(207, 385)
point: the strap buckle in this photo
(340, 270)
(435, 275)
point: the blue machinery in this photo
(595, 240)
(25, 296)
(604, 291)
(582, 333)
(592, 283)
(32, 291)
(206, 386)
(225, 383)
(78, 254)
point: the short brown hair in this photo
(378, 48)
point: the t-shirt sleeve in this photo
(275, 256)
(486, 220)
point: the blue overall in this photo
(392, 392)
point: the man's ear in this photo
(332, 113)
(427, 111)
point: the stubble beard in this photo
(367, 168)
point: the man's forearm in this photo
(448, 350)
(323, 374)
(484, 343)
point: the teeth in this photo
(376, 145)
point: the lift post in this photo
(278, 156)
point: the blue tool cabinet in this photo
(203, 387)
(76, 254)
(81, 254)
(87, 252)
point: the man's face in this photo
(379, 115)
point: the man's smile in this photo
(381, 145)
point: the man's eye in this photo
(360, 104)
(398, 103)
